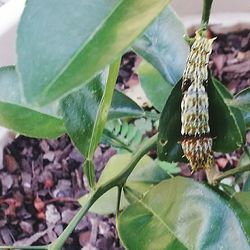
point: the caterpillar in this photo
(196, 140)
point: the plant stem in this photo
(145, 147)
(231, 172)
(119, 193)
(25, 248)
(118, 180)
(59, 242)
(151, 115)
(116, 141)
(101, 117)
(207, 4)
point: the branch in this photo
(25, 248)
(119, 181)
(119, 193)
(231, 172)
(207, 4)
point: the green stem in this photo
(232, 172)
(89, 171)
(207, 4)
(116, 141)
(118, 180)
(151, 115)
(148, 145)
(119, 194)
(25, 248)
(59, 242)
(101, 117)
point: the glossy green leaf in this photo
(82, 114)
(247, 184)
(146, 170)
(106, 204)
(63, 44)
(123, 107)
(169, 168)
(241, 205)
(80, 110)
(163, 45)
(246, 116)
(154, 85)
(180, 213)
(226, 123)
(112, 140)
(241, 100)
(244, 161)
(85, 115)
(245, 158)
(16, 115)
(169, 147)
(123, 135)
(146, 174)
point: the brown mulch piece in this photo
(230, 60)
(40, 184)
(230, 63)
(42, 179)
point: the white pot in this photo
(10, 14)
(226, 15)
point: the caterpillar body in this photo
(196, 140)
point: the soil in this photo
(42, 179)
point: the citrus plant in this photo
(64, 82)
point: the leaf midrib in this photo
(158, 217)
(90, 38)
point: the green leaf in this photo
(169, 147)
(247, 184)
(226, 123)
(68, 42)
(85, 115)
(163, 45)
(245, 158)
(241, 100)
(106, 204)
(123, 135)
(143, 178)
(146, 174)
(86, 102)
(241, 205)
(145, 171)
(169, 168)
(81, 111)
(154, 85)
(246, 116)
(180, 213)
(123, 107)
(16, 115)
(111, 139)
(245, 161)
